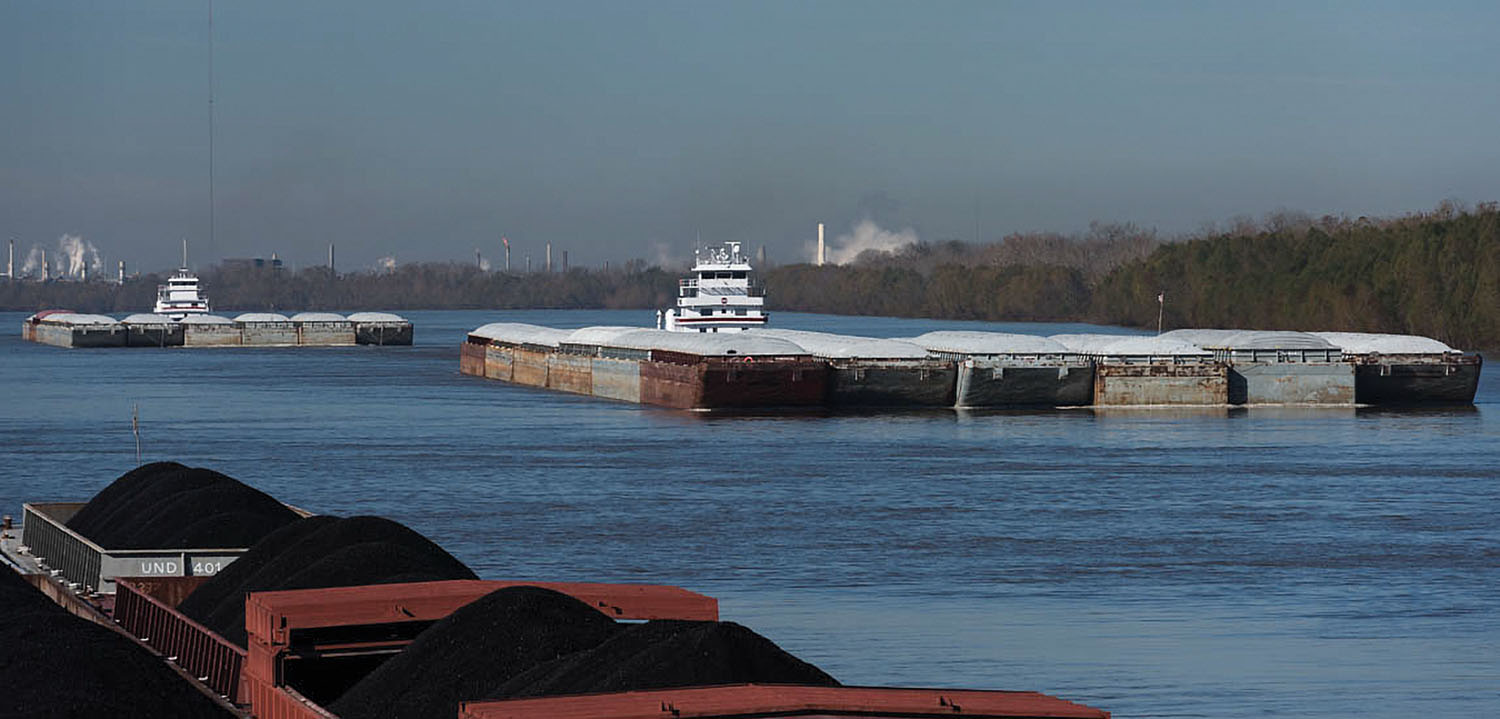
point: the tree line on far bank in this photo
(1434, 273)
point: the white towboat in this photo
(720, 296)
(181, 297)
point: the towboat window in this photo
(724, 275)
(739, 274)
(740, 312)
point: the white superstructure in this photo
(720, 296)
(180, 297)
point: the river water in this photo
(1156, 563)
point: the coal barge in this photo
(326, 617)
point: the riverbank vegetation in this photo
(1433, 273)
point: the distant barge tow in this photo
(62, 328)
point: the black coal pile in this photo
(663, 655)
(319, 552)
(167, 505)
(468, 653)
(55, 665)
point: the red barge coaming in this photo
(147, 608)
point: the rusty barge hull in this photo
(704, 383)
(1161, 384)
(666, 379)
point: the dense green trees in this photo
(1434, 274)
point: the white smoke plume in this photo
(386, 264)
(484, 264)
(866, 236)
(662, 256)
(33, 262)
(75, 258)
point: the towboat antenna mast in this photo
(211, 244)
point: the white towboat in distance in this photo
(720, 296)
(181, 297)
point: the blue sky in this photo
(625, 129)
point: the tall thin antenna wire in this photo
(210, 124)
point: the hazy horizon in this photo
(619, 131)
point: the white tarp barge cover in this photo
(597, 335)
(706, 344)
(1361, 343)
(261, 317)
(70, 318)
(148, 319)
(318, 317)
(989, 343)
(832, 346)
(206, 320)
(377, 317)
(517, 333)
(1250, 339)
(1129, 346)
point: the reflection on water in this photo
(1228, 563)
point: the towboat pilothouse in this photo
(180, 297)
(720, 296)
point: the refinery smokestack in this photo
(330, 258)
(548, 267)
(122, 272)
(46, 272)
(10, 261)
(822, 251)
(565, 262)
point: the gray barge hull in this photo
(991, 383)
(891, 383)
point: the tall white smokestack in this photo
(548, 266)
(122, 272)
(330, 258)
(46, 272)
(10, 261)
(822, 249)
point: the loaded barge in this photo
(312, 653)
(782, 368)
(63, 328)
(714, 351)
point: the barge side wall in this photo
(1161, 383)
(999, 383)
(1324, 383)
(616, 379)
(891, 383)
